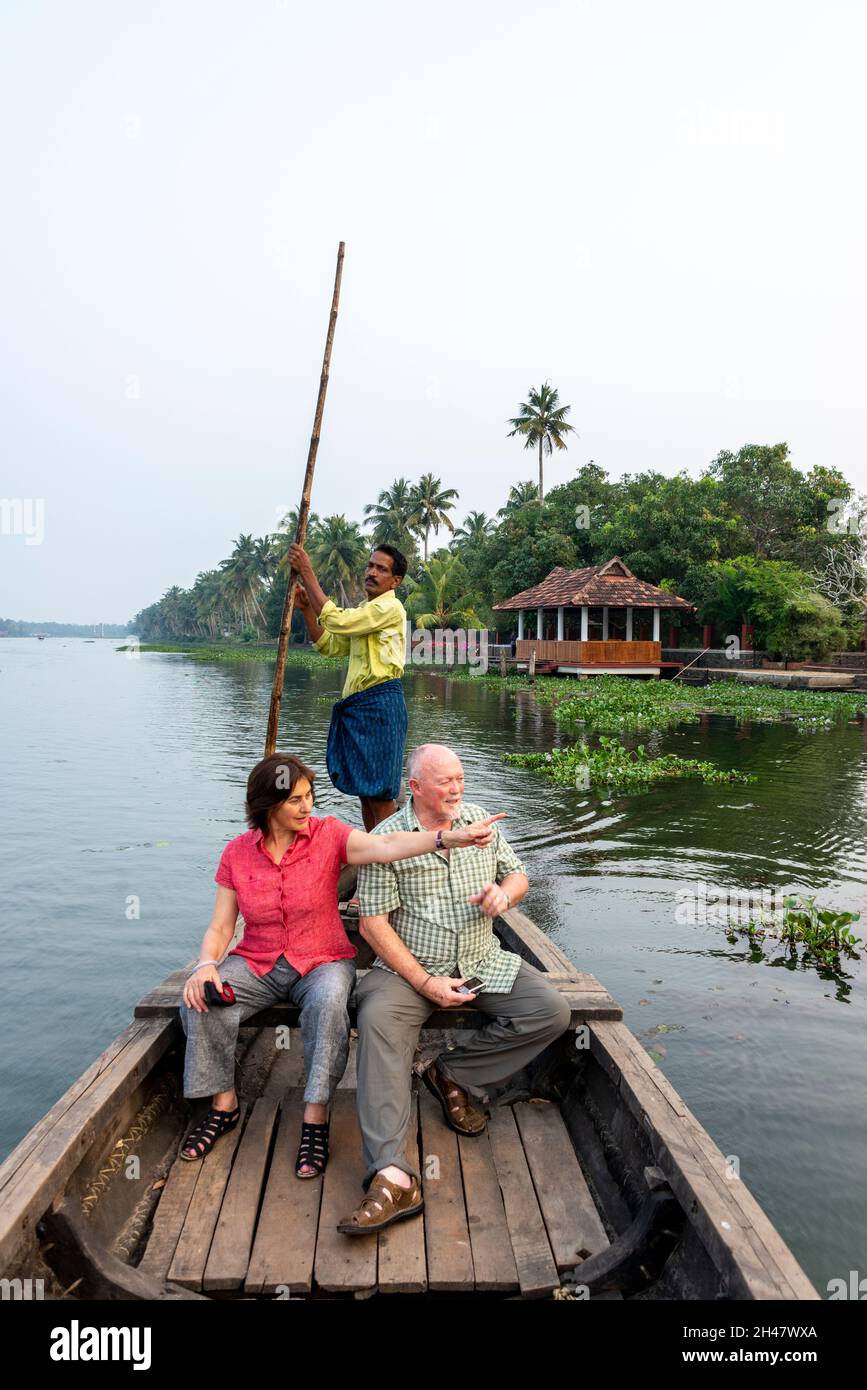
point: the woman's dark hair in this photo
(270, 783)
(398, 559)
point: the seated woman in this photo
(282, 875)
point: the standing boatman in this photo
(368, 725)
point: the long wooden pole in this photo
(303, 514)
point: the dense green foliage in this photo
(750, 540)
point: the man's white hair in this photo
(419, 756)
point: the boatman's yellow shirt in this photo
(373, 636)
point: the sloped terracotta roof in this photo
(613, 584)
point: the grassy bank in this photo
(241, 651)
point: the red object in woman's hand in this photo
(221, 998)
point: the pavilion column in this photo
(540, 622)
(605, 623)
(561, 611)
(585, 622)
(520, 624)
(656, 624)
(629, 624)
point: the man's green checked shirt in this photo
(427, 899)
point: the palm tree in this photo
(432, 502)
(476, 529)
(338, 552)
(434, 603)
(244, 582)
(396, 519)
(520, 495)
(177, 616)
(289, 523)
(542, 421)
(209, 601)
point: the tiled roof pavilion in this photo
(612, 585)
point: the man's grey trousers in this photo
(390, 1016)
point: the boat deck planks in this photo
(229, 1255)
(285, 1244)
(402, 1262)
(194, 1243)
(537, 1273)
(169, 1218)
(498, 1215)
(344, 1264)
(493, 1258)
(447, 1236)
(571, 1219)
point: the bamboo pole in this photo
(303, 514)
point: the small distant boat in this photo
(593, 1179)
(41, 636)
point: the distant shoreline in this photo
(297, 655)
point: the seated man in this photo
(440, 934)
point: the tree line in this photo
(751, 539)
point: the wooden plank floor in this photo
(505, 1213)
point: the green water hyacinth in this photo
(625, 704)
(823, 934)
(612, 765)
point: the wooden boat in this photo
(593, 1179)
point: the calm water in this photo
(124, 778)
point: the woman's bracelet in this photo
(201, 963)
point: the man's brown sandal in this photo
(460, 1114)
(374, 1215)
(208, 1131)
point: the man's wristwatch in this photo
(508, 899)
(439, 840)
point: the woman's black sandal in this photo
(313, 1150)
(209, 1130)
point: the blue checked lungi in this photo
(366, 740)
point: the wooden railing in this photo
(573, 653)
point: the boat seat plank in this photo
(402, 1260)
(194, 1243)
(537, 1272)
(493, 1258)
(588, 999)
(285, 1245)
(343, 1263)
(229, 1255)
(572, 1222)
(447, 1236)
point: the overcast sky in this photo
(658, 207)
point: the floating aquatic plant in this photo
(610, 764)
